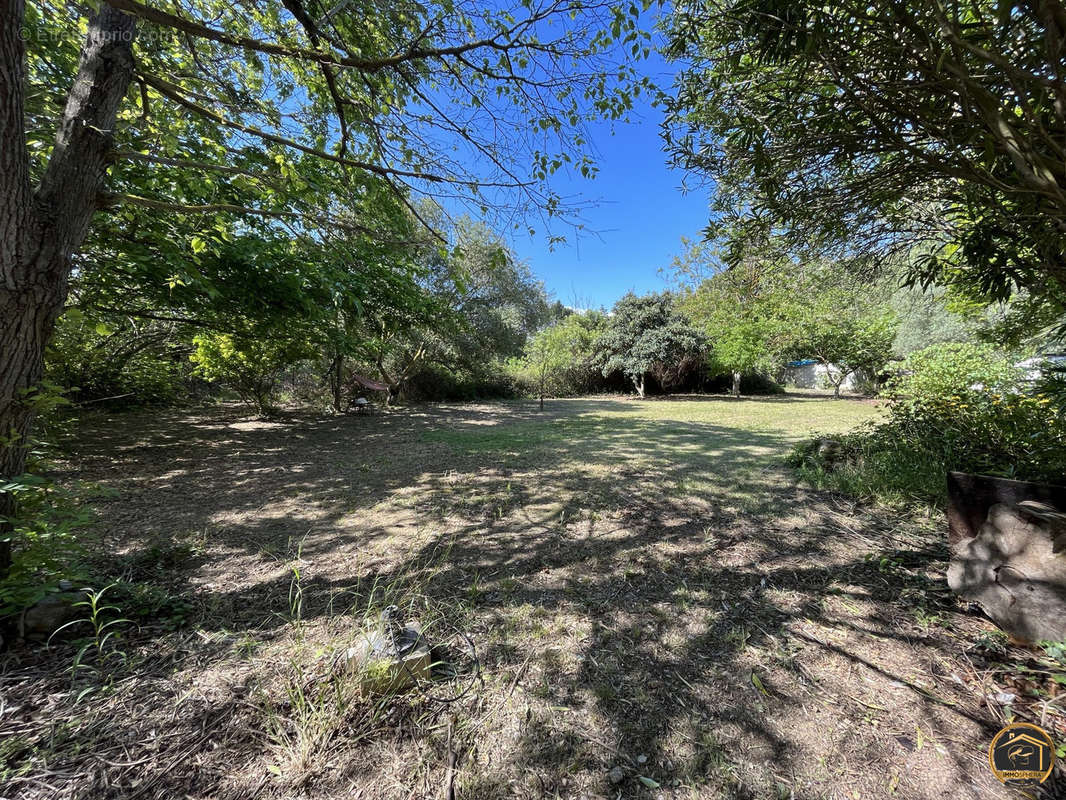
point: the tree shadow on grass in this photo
(646, 588)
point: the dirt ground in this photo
(657, 609)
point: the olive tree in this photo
(648, 335)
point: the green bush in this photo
(750, 383)
(123, 365)
(249, 365)
(955, 407)
(47, 540)
(952, 369)
(436, 383)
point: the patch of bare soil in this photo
(639, 633)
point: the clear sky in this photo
(639, 215)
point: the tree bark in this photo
(336, 382)
(736, 384)
(40, 230)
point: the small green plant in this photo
(992, 644)
(102, 643)
(1056, 652)
(738, 637)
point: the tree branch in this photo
(174, 92)
(148, 158)
(106, 200)
(502, 41)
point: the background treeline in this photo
(271, 320)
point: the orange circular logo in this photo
(1022, 755)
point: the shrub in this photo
(249, 365)
(46, 538)
(955, 407)
(952, 369)
(123, 365)
(750, 383)
(436, 383)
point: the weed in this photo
(738, 637)
(102, 644)
(303, 724)
(709, 761)
(296, 590)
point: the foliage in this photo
(475, 306)
(248, 364)
(957, 407)
(766, 309)
(545, 356)
(801, 114)
(751, 383)
(124, 361)
(561, 359)
(951, 372)
(648, 334)
(47, 537)
(103, 642)
(737, 308)
(435, 383)
(927, 317)
(844, 334)
(336, 122)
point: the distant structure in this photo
(810, 374)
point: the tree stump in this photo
(1011, 568)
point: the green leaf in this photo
(757, 683)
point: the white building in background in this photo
(811, 374)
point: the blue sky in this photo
(639, 214)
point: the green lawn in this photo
(705, 445)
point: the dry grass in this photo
(647, 589)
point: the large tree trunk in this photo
(39, 230)
(736, 384)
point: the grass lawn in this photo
(657, 609)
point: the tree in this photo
(859, 129)
(546, 354)
(738, 309)
(647, 334)
(843, 335)
(284, 114)
(477, 306)
(561, 357)
(767, 308)
(250, 364)
(926, 318)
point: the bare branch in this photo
(504, 40)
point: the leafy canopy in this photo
(860, 130)
(647, 334)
